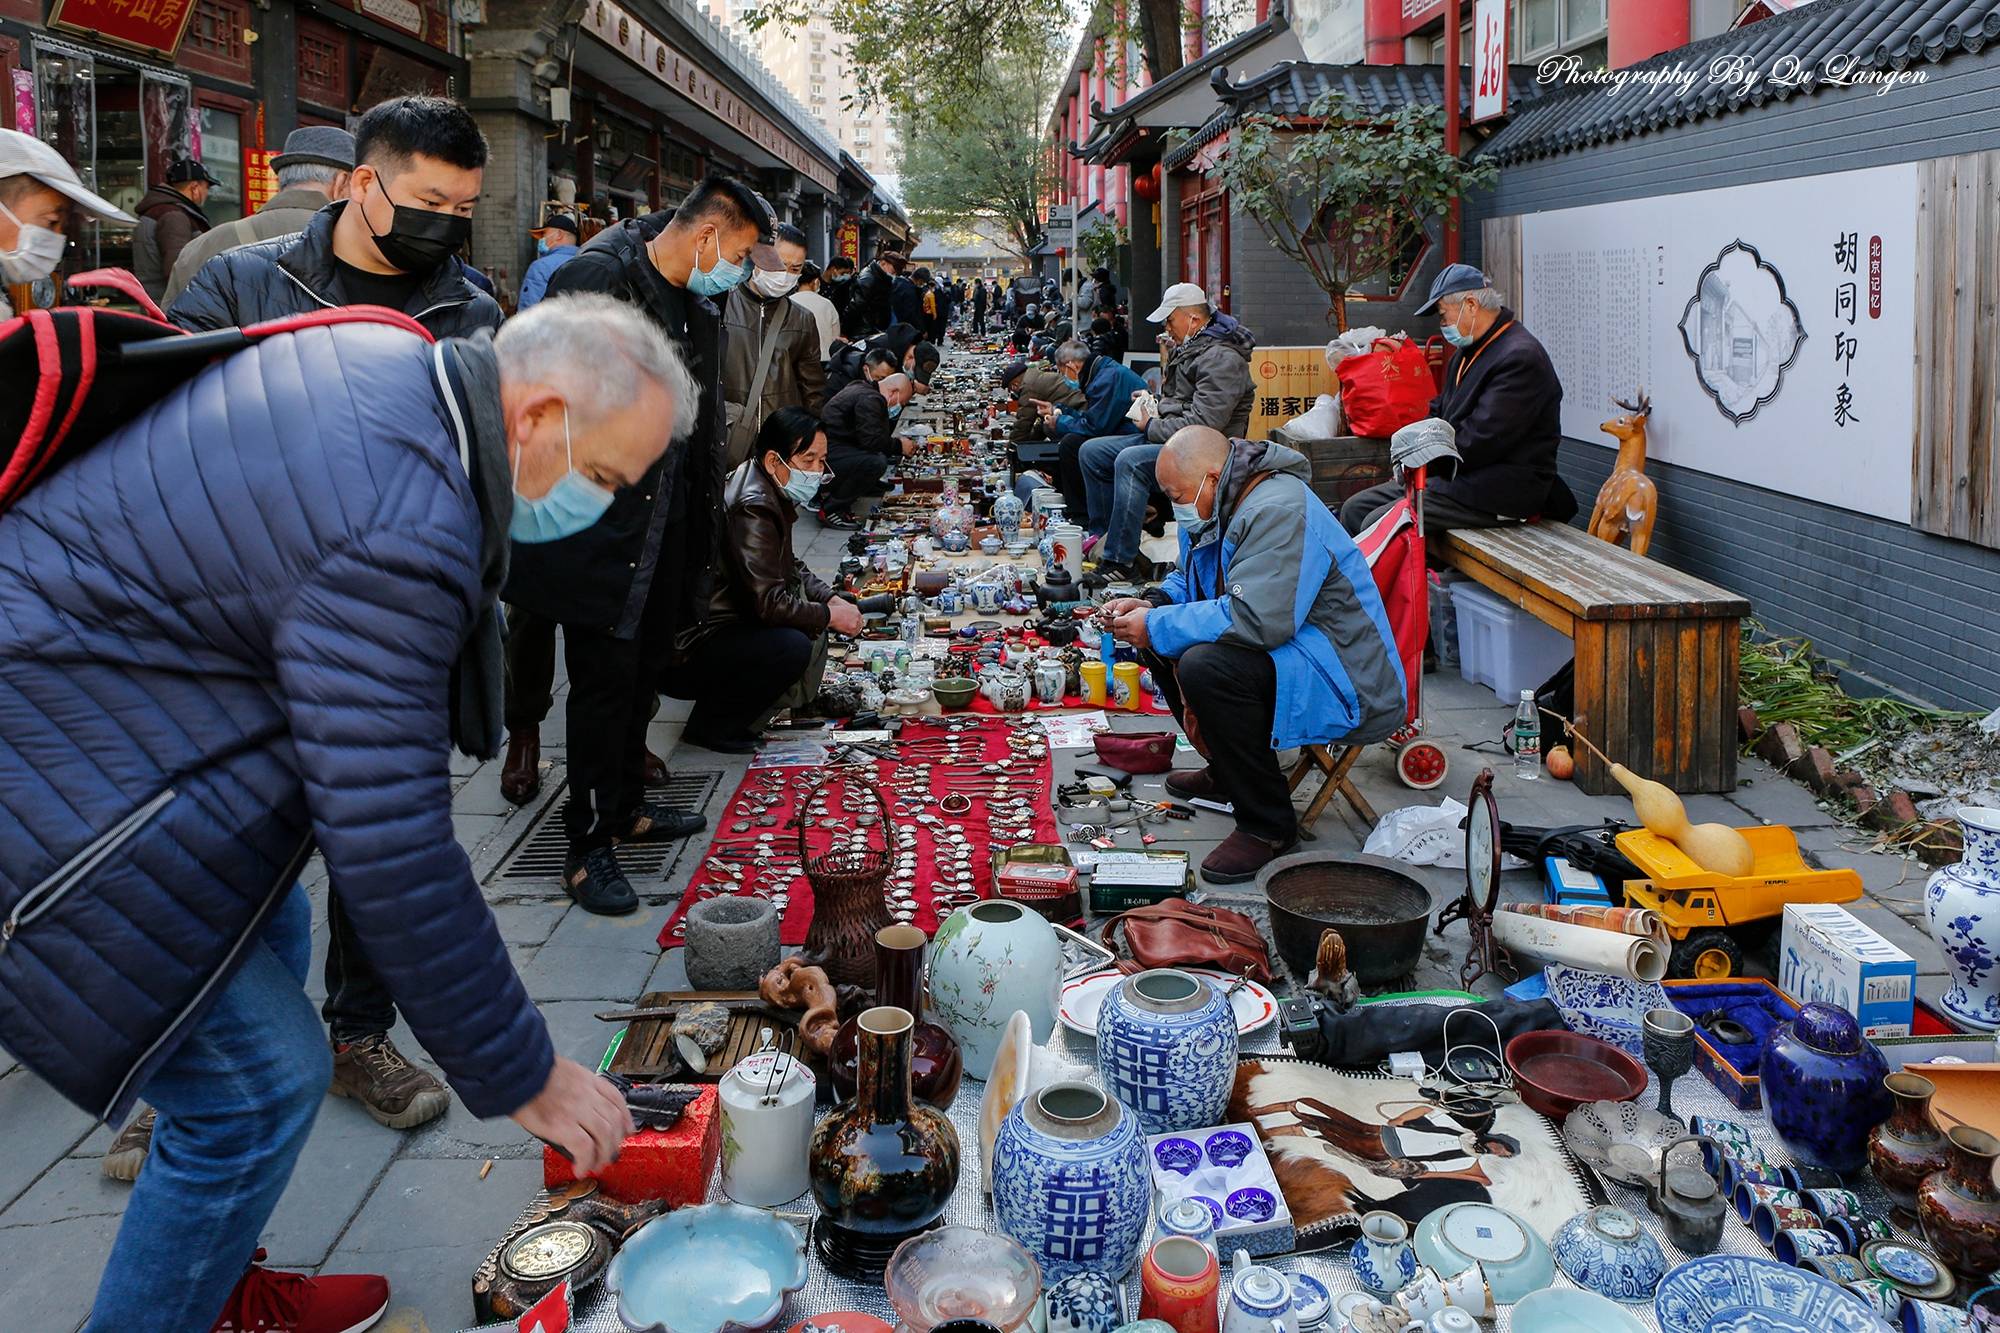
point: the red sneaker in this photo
(269, 1301)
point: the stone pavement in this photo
(415, 1206)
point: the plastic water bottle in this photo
(1527, 738)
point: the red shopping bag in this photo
(1385, 388)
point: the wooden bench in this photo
(1656, 649)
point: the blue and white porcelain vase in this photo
(1962, 905)
(1166, 1047)
(1070, 1181)
(987, 961)
(1384, 1262)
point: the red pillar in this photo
(1098, 85)
(1079, 102)
(1644, 28)
(1385, 32)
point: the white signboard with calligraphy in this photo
(1773, 325)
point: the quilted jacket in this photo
(226, 634)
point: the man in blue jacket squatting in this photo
(243, 625)
(1268, 634)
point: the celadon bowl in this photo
(714, 1268)
(1514, 1257)
(1568, 1310)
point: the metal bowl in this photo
(1378, 907)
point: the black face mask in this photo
(418, 240)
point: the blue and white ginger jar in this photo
(1962, 905)
(1070, 1181)
(1166, 1048)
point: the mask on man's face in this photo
(718, 280)
(573, 504)
(418, 240)
(1451, 333)
(773, 282)
(35, 253)
(1188, 517)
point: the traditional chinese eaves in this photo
(1787, 55)
(1290, 87)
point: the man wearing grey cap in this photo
(1504, 403)
(36, 190)
(171, 215)
(313, 170)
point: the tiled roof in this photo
(1290, 87)
(1814, 40)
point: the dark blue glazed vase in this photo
(1823, 1088)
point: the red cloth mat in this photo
(731, 846)
(983, 706)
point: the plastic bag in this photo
(1422, 835)
(1322, 422)
(1352, 343)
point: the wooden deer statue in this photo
(1627, 504)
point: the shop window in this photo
(1538, 26)
(222, 154)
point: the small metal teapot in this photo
(1688, 1202)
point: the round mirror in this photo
(1482, 843)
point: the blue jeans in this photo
(235, 1101)
(1125, 474)
(1095, 460)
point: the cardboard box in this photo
(672, 1164)
(1827, 956)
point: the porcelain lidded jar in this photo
(1070, 1181)
(988, 960)
(1962, 905)
(1823, 1089)
(1166, 1047)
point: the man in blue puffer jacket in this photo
(232, 630)
(1269, 634)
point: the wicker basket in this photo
(847, 899)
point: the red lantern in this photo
(1147, 187)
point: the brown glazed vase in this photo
(1906, 1147)
(884, 1164)
(1959, 1207)
(935, 1062)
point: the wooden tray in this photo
(647, 1051)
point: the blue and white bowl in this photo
(1166, 1048)
(1606, 1251)
(1743, 1293)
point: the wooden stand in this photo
(1321, 759)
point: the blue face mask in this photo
(895, 410)
(1454, 337)
(716, 281)
(802, 486)
(541, 245)
(574, 503)
(1188, 516)
(1074, 385)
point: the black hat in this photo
(317, 145)
(188, 169)
(559, 222)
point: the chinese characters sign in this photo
(149, 25)
(261, 180)
(1489, 60)
(1773, 324)
(1284, 382)
(848, 241)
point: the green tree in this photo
(982, 153)
(1343, 191)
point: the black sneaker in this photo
(721, 743)
(835, 518)
(652, 822)
(597, 882)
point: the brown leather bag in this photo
(1178, 933)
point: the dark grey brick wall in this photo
(1915, 613)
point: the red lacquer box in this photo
(672, 1164)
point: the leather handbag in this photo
(1178, 933)
(1135, 752)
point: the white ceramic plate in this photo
(1083, 996)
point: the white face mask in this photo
(37, 250)
(773, 282)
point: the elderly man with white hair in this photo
(312, 172)
(1504, 403)
(250, 622)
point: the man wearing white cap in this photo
(36, 190)
(1206, 383)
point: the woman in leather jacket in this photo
(763, 645)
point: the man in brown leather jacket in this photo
(763, 645)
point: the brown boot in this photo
(397, 1093)
(128, 1151)
(1239, 857)
(521, 774)
(656, 770)
(1188, 783)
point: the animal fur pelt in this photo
(1345, 1144)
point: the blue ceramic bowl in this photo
(715, 1268)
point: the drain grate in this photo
(540, 855)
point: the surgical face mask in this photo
(718, 280)
(773, 282)
(802, 486)
(1453, 336)
(541, 245)
(1188, 516)
(37, 250)
(574, 503)
(1073, 384)
(895, 410)
(418, 240)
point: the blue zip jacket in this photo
(1276, 571)
(226, 635)
(535, 282)
(1107, 397)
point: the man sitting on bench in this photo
(1504, 402)
(1269, 634)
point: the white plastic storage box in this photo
(1502, 646)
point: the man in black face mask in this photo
(391, 242)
